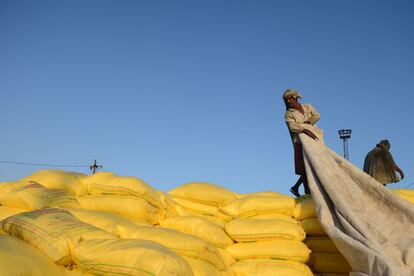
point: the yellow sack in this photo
(106, 183)
(255, 205)
(53, 231)
(226, 257)
(19, 258)
(135, 208)
(245, 230)
(180, 243)
(265, 193)
(329, 262)
(269, 267)
(182, 212)
(219, 221)
(59, 179)
(321, 245)
(203, 192)
(114, 224)
(304, 208)
(30, 195)
(279, 249)
(201, 209)
(75, 271)
(168, 205)
(405, 194)
(331, 274)
(312, 227)
(129, 257)
(202, 268)
(204, 229)
(275, 216)
(6, 212)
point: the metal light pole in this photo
(345, 134)
(94, 167)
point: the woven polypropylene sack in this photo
(199, 227)
(321, 245)
(6, 212)
(304, 208)
(202, 268)
(54, 231)
(59, 179)
(129, 257)
(226, 257)
(265, 193)
(312, 227)
(201, 209)
(275, 216)
(279, 249)
(269, 267)
(30, 195)
(329, 262)
(330, 274)
(245, 230)
(114, 224)
(107, 183)
(203, 192)
(168, 205)
(19, 258)
(256, 205)
(136, 208)
(180, 243)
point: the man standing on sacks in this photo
(300, 118)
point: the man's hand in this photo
(400, 172)
(310, 134)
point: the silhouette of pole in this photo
(94, 167)
(345, 134)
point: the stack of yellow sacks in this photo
(81, 229)
(60, 223)
(325, 258)
(268, 239)
(106, 224)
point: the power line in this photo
(44, 165)
(412, 183)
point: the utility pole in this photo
(94, 167)
(345, 134)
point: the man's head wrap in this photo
(384, 144)
(291, 92)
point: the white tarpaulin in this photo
(371, 226)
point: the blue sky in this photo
(180, 91)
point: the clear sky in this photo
(180, 91)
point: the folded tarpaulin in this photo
(371, 226)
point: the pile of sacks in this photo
(61, 223)
(325, 258)
(256, 230)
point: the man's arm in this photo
(315, 116)
(399, 171)
(298, 128)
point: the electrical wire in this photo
(44, 165)
(409, 185)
